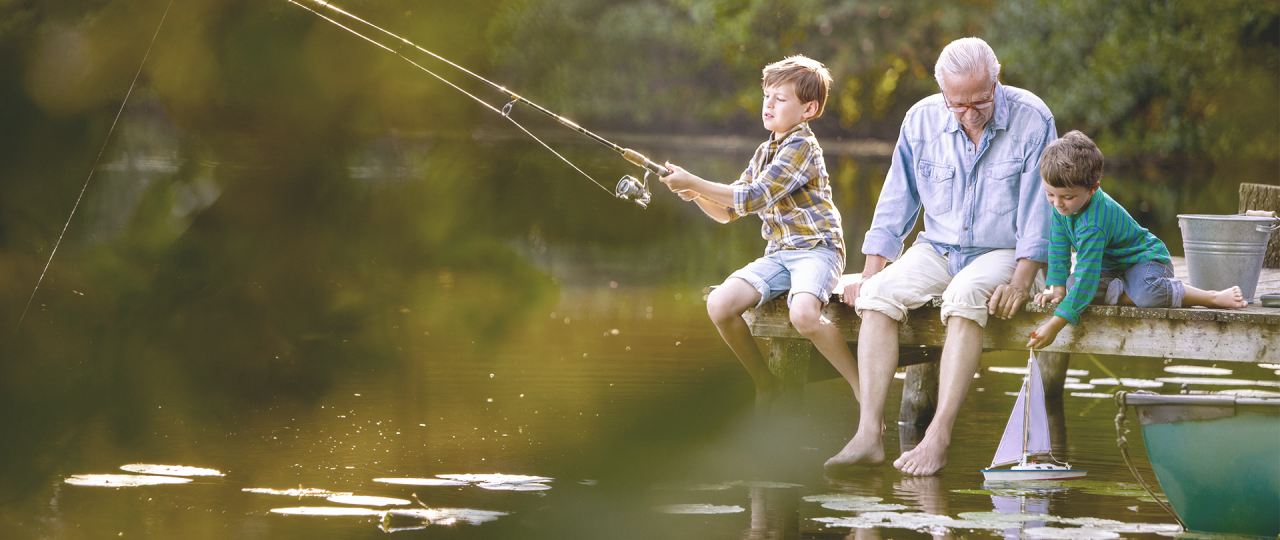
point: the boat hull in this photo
(1217, 459)
(1008, 475)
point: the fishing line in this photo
(505, 112)
(94, 168)
(628, 187)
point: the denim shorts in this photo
(1149, 284)
(815, 271)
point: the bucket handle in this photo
(1273, 227)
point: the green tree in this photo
(1156, 77)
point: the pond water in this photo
(425, 307)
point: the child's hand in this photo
(1050, 296)
(1044, 336)
(679, 180)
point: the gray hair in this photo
(967, 56)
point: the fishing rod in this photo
(96, 160)
(628, 188)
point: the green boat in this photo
(1217, 458)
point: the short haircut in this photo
(811, 79)
(967, 56)
(1072, 161)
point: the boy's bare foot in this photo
(926, 459)
(859, 452)
(767, 393)
(1228, 298)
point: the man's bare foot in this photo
(859, 452)
(926, 459)
(1228, 298)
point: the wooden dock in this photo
(1251, 334)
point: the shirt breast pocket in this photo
(1003, 187)
(934, 183)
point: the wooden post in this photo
(1053, 372)
(919, 395)
(1263, 197)
(789, 361)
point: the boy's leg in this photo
(1151, 284)
(814, 276)
(725, 306)
(964, 311)
(883, 303)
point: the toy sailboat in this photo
(1027, 436)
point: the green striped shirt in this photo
(1105, 238)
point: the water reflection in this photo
(405, 305)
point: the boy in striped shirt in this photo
(1117, 261)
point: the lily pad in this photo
(170, 470)
(1005, 518)
(1130, 383)
(917, 521)
(854, 506)
(1055, 533)
(1122, 527)
(1197, 370)
(327, 511)
(449, 516)
(698, 509)
(295, 492)
(366, 500)
(694, 487)
(1094, 395)
(420, 481)
(1077, 386)
(122, 480)
(839, 497)
(1221, 382)
(495, 478)
(765, 484)
(513, 487)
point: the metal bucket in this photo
(1224, 251)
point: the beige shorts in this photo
(921, 273)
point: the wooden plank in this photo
(1164, 338)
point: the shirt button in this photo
(966, 228)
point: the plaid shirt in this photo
(786, 184)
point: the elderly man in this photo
(970, 157)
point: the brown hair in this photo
(810, 77)
(1072, 161)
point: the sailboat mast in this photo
(1026, 411)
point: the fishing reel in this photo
(634, 190)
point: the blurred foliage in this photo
(689, 62)
(1157, 77)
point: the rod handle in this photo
(644, 162)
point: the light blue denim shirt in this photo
(974, 199)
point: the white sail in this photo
(1036, 427)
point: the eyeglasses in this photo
(979, 106)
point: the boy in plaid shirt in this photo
(786, 184)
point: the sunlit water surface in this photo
(579, 351)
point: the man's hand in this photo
(1007, 300)
(875, 263)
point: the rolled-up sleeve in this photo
(899, 204)
(784, 174)
(1033, 207)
